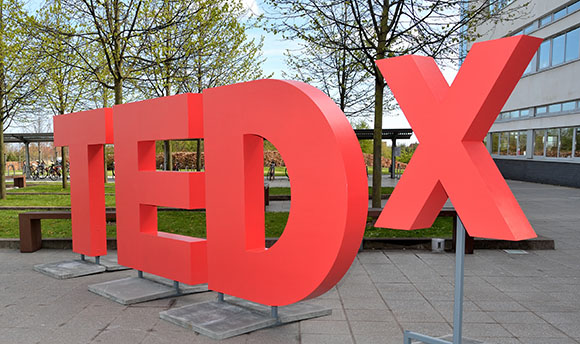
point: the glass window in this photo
(521, 32)
(515, 114)
(546, 20)
(577, 150)
(503, 143)
(529, 28)
(540, 110)
(566, 135)
(552, 143)
(544, 54)
(512, 143)
(524, 113)
(539, 142)
(494, 143)
(555, 108)
(558, 46)
(568, 106)
(574, 7)
(572, 44)
(560, 14)
(522, 143)
(530, 67)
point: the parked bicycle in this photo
(39, 171)
(54, 171)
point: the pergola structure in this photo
(388, 134)
(28, 138)
(361, 134)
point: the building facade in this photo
(536, 137)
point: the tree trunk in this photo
(118, 91)
(3, 164)
(198, 156)
(105, 160)
(2, 100)
(167, 156)
(64, 170)
(377, 140)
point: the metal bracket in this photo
(458, 298)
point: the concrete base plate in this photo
(109, 262)
(464, 340)
(69, 269)
(132, 290)
(449, 338)
(233, 317)
(291, 313)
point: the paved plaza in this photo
(509, 298)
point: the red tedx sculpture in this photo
(328, 209)
(140, 188)
(453, 121)
(85, 133)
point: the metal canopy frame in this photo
(28, 137)
(387, 134)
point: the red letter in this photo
(329, 191)
(85, 133)
(450, 123)
(140, 188)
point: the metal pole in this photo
(139, 273)
(459, 273)
(176, 286)
(274, 312)
(97, 260)
(27, 154)
(393, 158)
(220, 297)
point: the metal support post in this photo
(139, 273)
(459, 273)
(27, 158)
(458, 301)
(393, 158)
(274, 312)
(97, 260)
(82, 257)
(176, 286)
(220, 297)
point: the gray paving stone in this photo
(286, 314)
(218, 320)
(131, 290)
(109, 262)
(69, 269)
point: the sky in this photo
(273, 52)
(275, 46)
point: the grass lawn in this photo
(179, 222)
(279, 171)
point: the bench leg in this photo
(30, 234)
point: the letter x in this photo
(450, 124)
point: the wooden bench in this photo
(30, 228)
(445, 212)
(19, 181)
